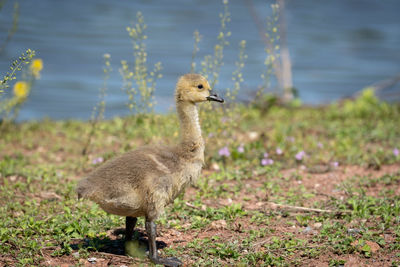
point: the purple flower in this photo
(210, 135)
(290, 139)
(299, 156)
(396, 152)
(97, 160)
(279, 151)
(320, 145)
(224, 152)
(240, 149)
(265, 162)
(335, 164)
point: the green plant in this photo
(272, 49)
(39, 211)
(237, 75)
(144, 79)
(230, 112)
(197, 38)
(14, 25)
(211, 64)
(99, 108)
(11, 104)
(368, 105)
(16, 65)
(334, 262)
(210, 68)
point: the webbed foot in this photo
(153, 255)
(170, 261)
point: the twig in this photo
(261, 242)
(325, 195)
(111, 254)
(122, 258)
(284, 206)
(307, 209)
(191, 205)
(298, 247)
(50, 247)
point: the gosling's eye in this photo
(200, 86)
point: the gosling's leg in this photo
(130, 223)
(151, 235)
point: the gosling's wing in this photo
(129, 172)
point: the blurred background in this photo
(336, 48)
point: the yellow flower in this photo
(21, 89)
(36, 67)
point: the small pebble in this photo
(317, 225)
(92, 260)
(253, 136)
(215, 167)
(307, 230)
(219, 224)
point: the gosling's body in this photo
(142, 182)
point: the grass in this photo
(227, 217)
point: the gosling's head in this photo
(195, 88)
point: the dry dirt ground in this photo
(323, 186)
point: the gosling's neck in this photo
(189, 123)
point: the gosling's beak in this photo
(214, 97)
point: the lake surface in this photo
(337, 48)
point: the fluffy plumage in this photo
(143, 181)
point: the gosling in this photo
(143, 181)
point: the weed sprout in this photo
(139, 80)
(10, 104)
(99, 108)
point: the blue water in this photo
(337, 48)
